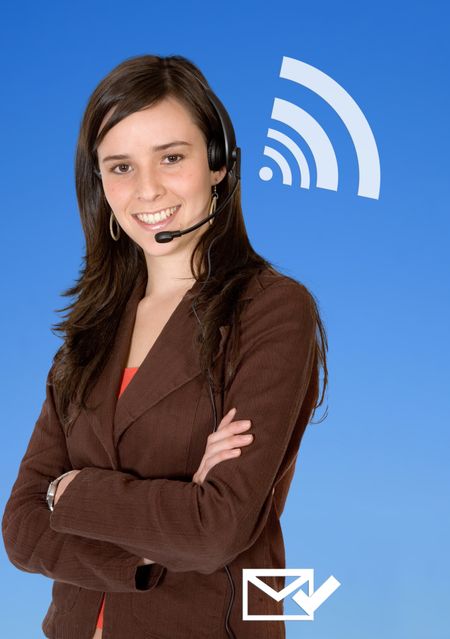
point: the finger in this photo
(226, 439)
(216, 459)
(237, 427)
(228, 443)
(230, 429)
(226, 419)
(219, 452)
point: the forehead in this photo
(169, 116)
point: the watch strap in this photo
(51, 491)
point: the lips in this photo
(157, 225)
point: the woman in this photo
(145, 505)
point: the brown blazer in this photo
(134, 496)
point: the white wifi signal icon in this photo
(316, 138)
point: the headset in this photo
(228, 155)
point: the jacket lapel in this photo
(171, 362)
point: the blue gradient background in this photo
(370, 499)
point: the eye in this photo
(173, 155)
(113, 169)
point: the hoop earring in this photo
(111, 219)
(214, 198)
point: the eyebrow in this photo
(159, 147)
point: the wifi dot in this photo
(266, 173)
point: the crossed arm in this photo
(222, 444)
(106, 521)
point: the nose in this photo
(148, 185)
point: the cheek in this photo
(116, 194)
(193, 184)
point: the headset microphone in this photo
(167, 236)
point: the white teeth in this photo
(150, 218)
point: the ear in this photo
(217, 176)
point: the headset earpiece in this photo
(224, 153)
(216, 159)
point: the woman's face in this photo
(146, 180)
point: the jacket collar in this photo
(171, 362)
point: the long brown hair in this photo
(110, 269)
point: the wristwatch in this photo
(52, 489)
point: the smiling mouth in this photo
(155, 218)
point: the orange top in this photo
(126, 379)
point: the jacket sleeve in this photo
(186, 526)
(33, 546)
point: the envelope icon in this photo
(309, 601)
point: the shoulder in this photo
(278, 303)
(269, 286)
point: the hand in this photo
(62, 485)
(222, 444)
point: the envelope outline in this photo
(304, 575)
